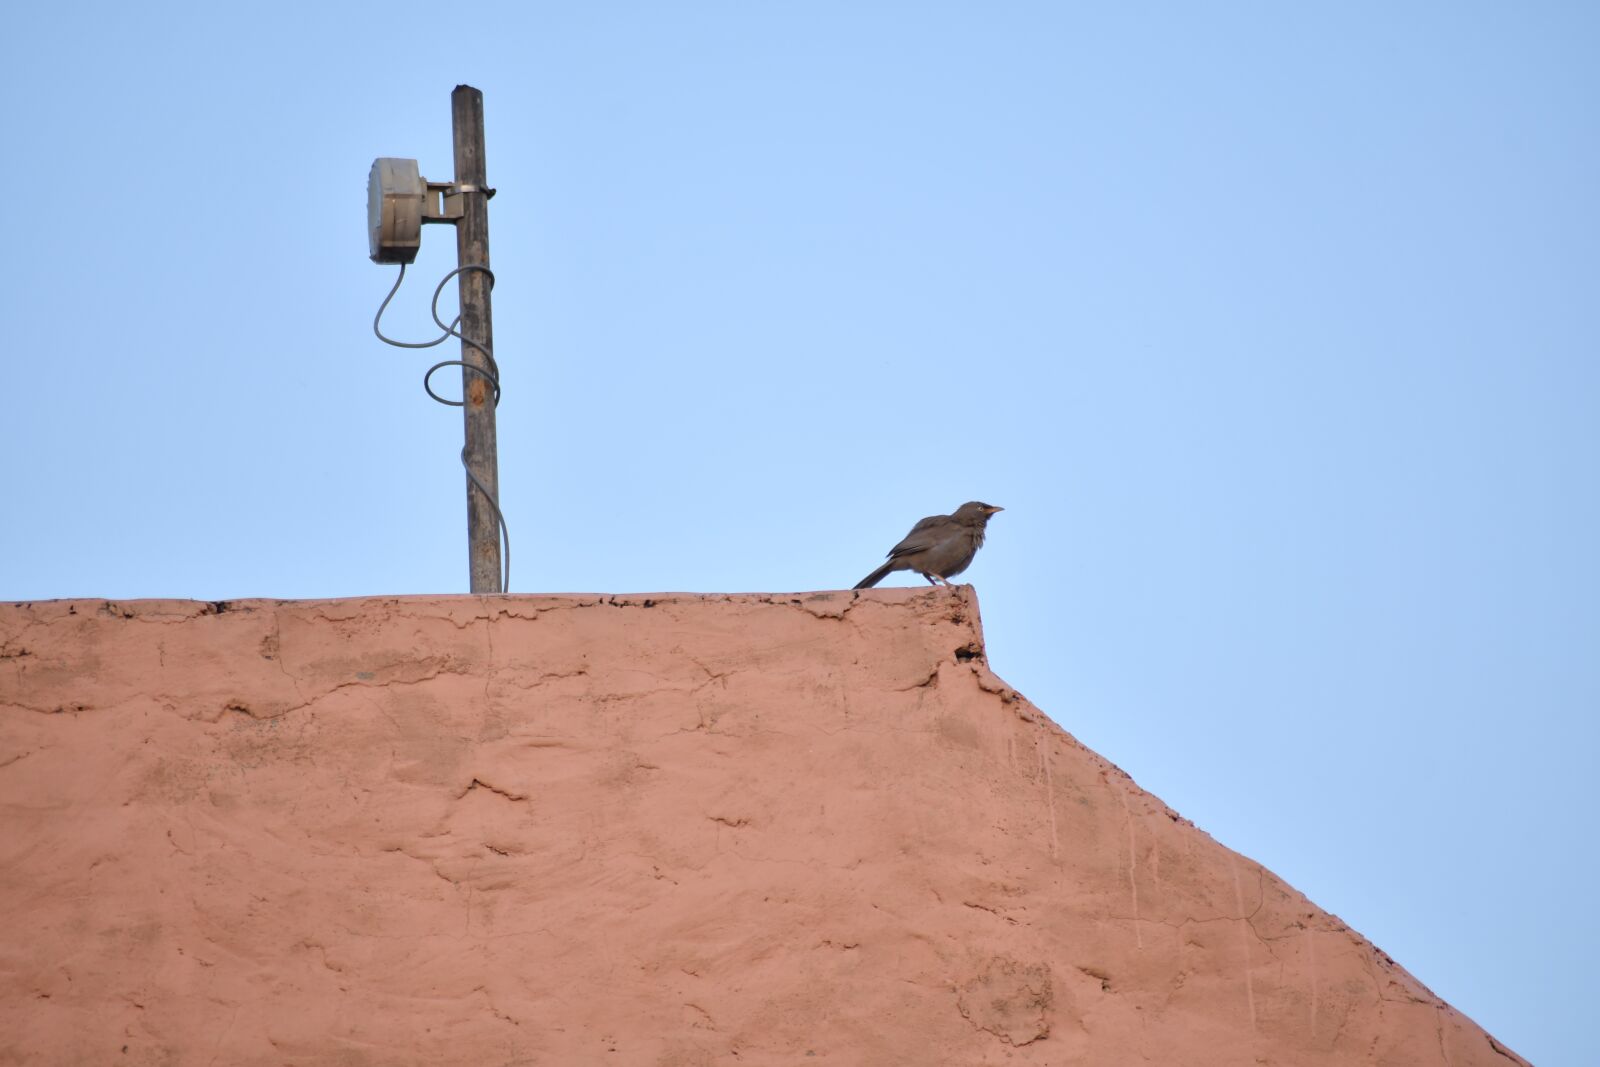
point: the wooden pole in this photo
(477, 390)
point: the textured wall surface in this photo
(667, 830)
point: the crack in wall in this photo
(479, 783)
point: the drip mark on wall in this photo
(1133, 872)
(1311, 965)
(1050, 792)
(1244, 932)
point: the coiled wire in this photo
(492, 375)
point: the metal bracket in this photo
(443, 202)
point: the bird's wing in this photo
(923, 535)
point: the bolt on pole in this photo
(480, 454)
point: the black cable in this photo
(492, 375)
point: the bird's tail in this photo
(876, 576)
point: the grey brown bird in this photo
(939, 547)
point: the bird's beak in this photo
(992, 509)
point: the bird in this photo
(939, 547)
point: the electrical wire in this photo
(492, 375)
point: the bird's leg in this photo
(931, 579)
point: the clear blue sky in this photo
(1272, 326)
